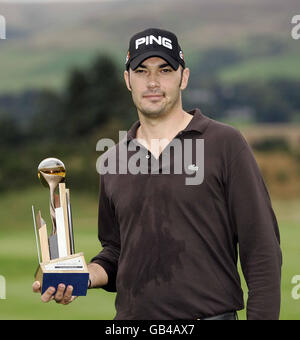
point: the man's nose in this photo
(153, 81)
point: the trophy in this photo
(58, 262)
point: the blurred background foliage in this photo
(62, 89)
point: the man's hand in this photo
(63, 295)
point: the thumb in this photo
(36, 287)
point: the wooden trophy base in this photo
(70, 270)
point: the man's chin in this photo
(152, 112)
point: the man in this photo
(170, 247)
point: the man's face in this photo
(156, 86)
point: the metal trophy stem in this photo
(53, 181)
(51, 172)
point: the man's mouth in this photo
(153, 96)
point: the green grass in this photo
(288, 216)
(22, 68)
(18, 264)
(283, 66)
(18, 259)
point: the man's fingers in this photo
(68, 296)
(60, 293)
(48, 295)
(73, 298)
(36, 287)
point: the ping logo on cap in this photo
(151, 39)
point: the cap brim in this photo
(134, 63)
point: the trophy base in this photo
(70, 270)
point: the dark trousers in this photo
(225, 316)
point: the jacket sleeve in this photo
(258, 235)
(109, 236)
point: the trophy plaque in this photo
(58, 262)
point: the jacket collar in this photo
(198, 123)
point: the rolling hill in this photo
(45, 40)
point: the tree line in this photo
(95, 103)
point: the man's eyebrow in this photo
(160, 66)
(164, 65)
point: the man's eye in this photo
(139, 71)
(166, 70)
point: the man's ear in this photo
(127, 80)
(185, 78)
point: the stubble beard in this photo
(162, 110)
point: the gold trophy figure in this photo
(58, 262)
